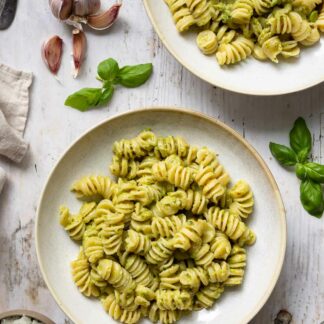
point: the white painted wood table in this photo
(52, 127)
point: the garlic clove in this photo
(61, 9)
(79, 49)
(52, 51)
(85, 8)
(106, 19)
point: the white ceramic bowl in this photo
(91, 154)
(18, 313)
(249, 77)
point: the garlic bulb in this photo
(61, 9)
(105, 19)
(52, 51)
(85, 8)
(79, 49)
(78, 12)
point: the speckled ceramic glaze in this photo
(250, 76)
(91, 154)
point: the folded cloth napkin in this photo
(14, 102)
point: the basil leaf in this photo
(134, 76)
(311, 196)
(303, 155)
(301, 139)
(284, 155)
(313, 16)
(300, 171)
(84, 99)
(315, 171)
(106, 95)
(108, 69)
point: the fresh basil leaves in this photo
(311, 174)
(110, 75)
(108, 70)
(134, 76)
(84, 98)
(301, 139)
(311, 196)
(285, 155)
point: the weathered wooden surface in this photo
(51, 127)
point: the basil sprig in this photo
(311, 174)
(110, 75)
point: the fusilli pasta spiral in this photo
(237, 29)
(168, 235)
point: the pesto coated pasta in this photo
(168, 234)
(234, 30)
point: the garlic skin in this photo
(76, 21)
(105, 19)
(79, 49)
(61, 9)
(83, 8)
(52, 51)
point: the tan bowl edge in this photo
(24, 312)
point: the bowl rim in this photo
(209, 80)
(24, 312)
(216, 122)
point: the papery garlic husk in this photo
(61, 9)
(85, 8)
(105, 19)
(76, 21)
(79, 49)
(52, 51)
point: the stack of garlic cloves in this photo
(76, 13)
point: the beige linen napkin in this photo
(14, 102)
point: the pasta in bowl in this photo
(256, 47)
(167, 232)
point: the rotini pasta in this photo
(141, 220)
(93, 186)
(92, 244)
(124, 168)
(202, 255)
(175, 174)
(207, 42)
(209, 183)
(168, 235)
(115, 275)
(235, 51)
(171, 145)
(144, 296)
(74, 225)
(206, 296)
(230, 224)
(237, 264)
(181, 14)
(264, 28)
(173, 299)
(138, 269)
(137, 243)
(117, 313)
(167, 226)
(136, 147)
(242, 197)
(81, 271)
(220, 246)
(170, 277)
